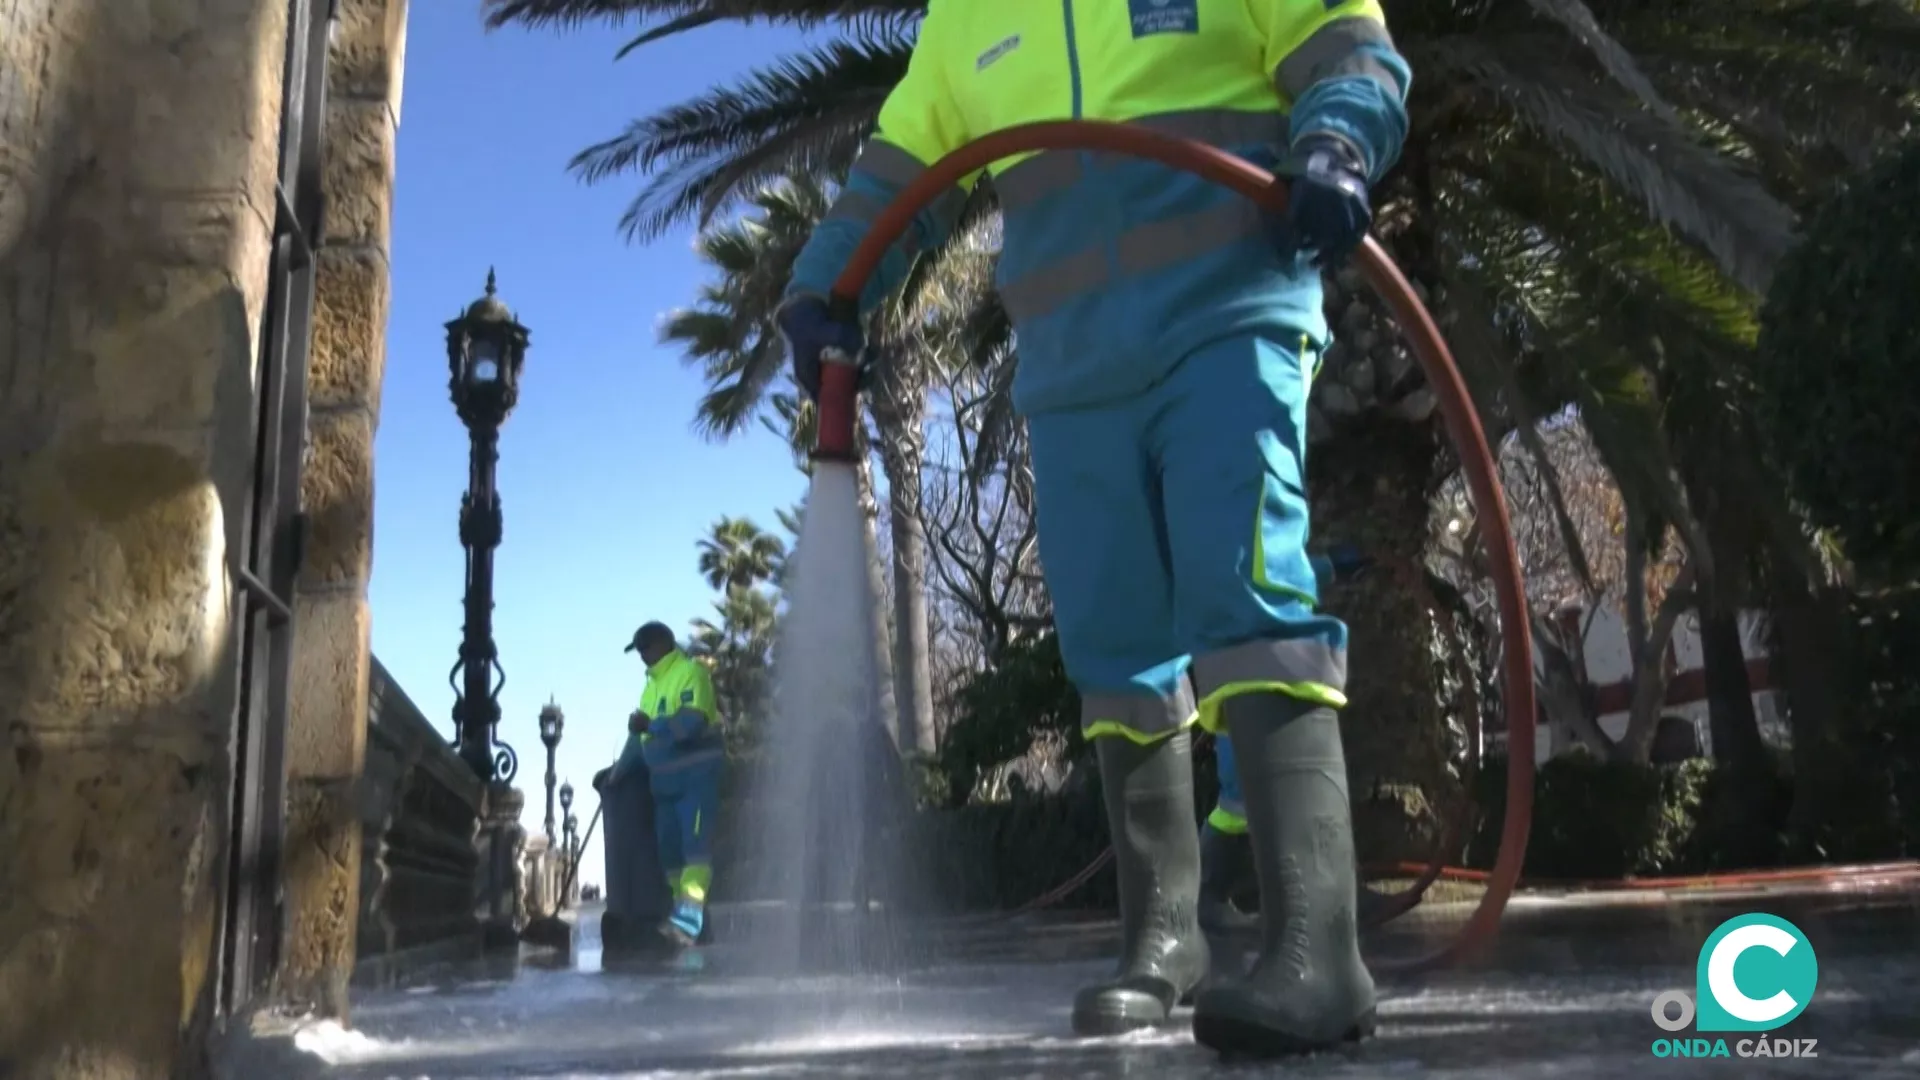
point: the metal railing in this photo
(273, 527)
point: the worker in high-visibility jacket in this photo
(1168, 332)
(678, 731)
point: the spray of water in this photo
(821, 792)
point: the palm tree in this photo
(1593, 222)
(737, 555)
(737, 647)
(729, 333)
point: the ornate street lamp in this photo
(552, 721)
(485, 349)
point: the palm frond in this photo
(1578, 20)
(806, 113)
(866, 15)
(1681, 184)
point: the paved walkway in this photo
(1565, 994)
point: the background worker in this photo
(1168, 332)
(678, 732)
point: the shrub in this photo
(1000, 713)
(1838, 371)
(1595, 819)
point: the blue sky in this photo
(605, 487)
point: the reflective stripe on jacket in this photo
(1113, 269)
(682, 721)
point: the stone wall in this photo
(326, 738)
(138, 143)
(420, 809)
(137, 157)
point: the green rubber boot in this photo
(1309, 990)
(1226, 860)
(1156, 855)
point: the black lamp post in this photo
(568, 824)
(573, 849)
(485, 349)
(552, 720)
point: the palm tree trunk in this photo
(1809, 625)
(912, 647)
(1375, 462)
(1731, 719)
(877, 588)
(899, 415)
(1370, 488)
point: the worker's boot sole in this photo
(1251, 1037)
(1109, 1012)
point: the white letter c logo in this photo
(1720, 973)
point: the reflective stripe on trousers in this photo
(1232, 822)
(1273, 663)
(1138, 717)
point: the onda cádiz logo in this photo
(1756, 973)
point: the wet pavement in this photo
(1565, 993)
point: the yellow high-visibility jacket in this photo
(682, 718)
(1113, 270)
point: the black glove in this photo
(1327, 211)
(600, 779)
(813, 328)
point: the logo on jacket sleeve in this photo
(1165, 17)
(1005, 46)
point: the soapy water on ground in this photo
(1561, 1000)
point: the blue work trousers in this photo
(1173, 532)
(686, 804)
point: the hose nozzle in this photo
(835, 407)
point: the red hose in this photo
(1456, 408)
(1725, 879)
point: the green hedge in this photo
(999, 856)
(1596, 819)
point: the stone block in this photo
(337, 492)
(117, 604)
(358, 174)
(322, 881)
(368, 52)
(327, 733)
(106, 933)
(351, 300)
(185, 109)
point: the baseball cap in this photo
(649, 632)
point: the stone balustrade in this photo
(421, 810)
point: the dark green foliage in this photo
(1839, 368)
(1025, 695)
(1870, 785)
(1596, 819)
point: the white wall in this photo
(1609, 660)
